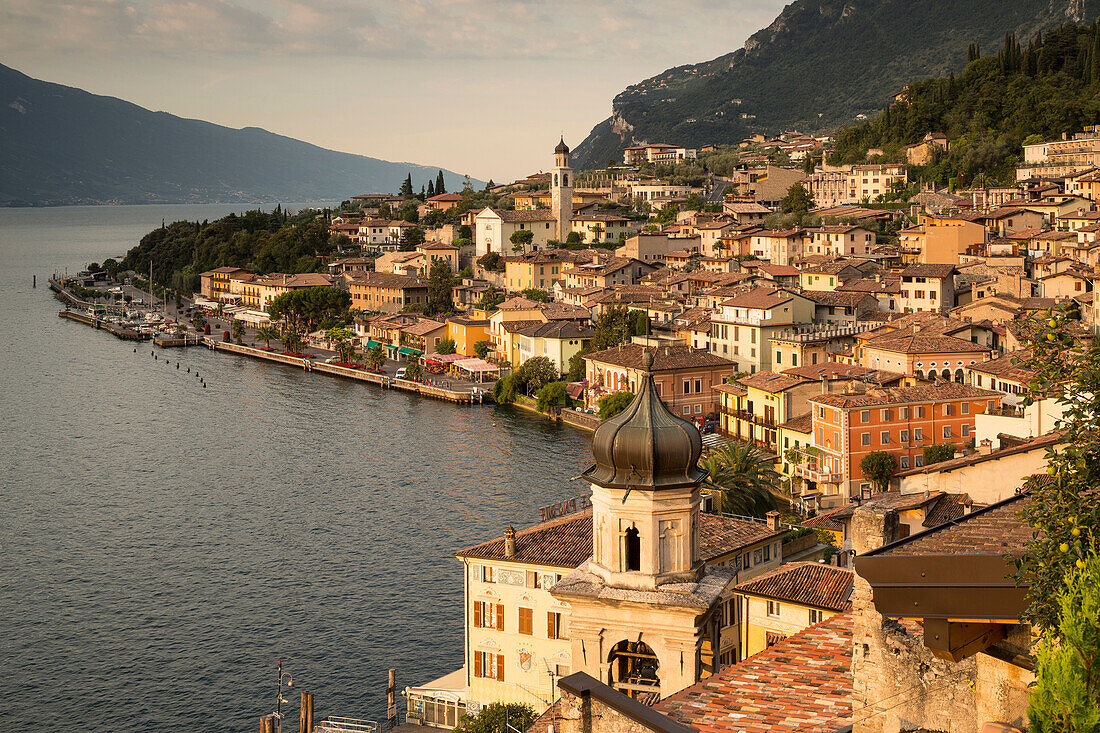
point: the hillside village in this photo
(866, 337)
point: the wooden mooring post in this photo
(391, 700)
(305, 714)
(267, 724)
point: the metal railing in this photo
(338, 724)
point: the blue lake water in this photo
(163, 545)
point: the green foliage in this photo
(536, 294)
(521, 239)
(411, 238)
(551, 395)
(797, 201)
(292, 339)
(492, 262)
(612, 404)
(1066, 695)
(413, 371)
(616, 325)
(482, 349)
(343, 341)
(1064, 510)
(406, 186)
(308, 306)
(991, 108)
(491, 299)
(879, 467)
(440, 287)
(747, 477)
(267, 333)
(573, 240)
(265, 242)
(496, 717)
(938, 453)
(445, 346)
(238, 330)
(534, 373)
(376, 357)
(504, 390)
(577, 366)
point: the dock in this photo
(460, 397)
(168, 341)
(126, 334)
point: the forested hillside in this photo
(257, 240)
(1036, 89)
(820, 63)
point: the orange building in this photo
(846, 427)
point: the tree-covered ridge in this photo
(256, 240)
(820, 63)
(1039, 90)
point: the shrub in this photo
(612, 404)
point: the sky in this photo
(482, 87)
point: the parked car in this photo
(400, 373)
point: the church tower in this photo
(642, 610)
(561, 191)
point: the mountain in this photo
(818, 65)
(66, 146)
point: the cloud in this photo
(494, 30)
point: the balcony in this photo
(817, 474)
(763, 422)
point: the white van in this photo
(400, 373)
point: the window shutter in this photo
(531, 578)
(550, 625)
(477, 664)
(500, 617)
(477, 614)
(500, 668)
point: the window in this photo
(488, 574)
(865, 416)
(920, 411)
(865, 439)
(489, 615)
(903, 413)
(526, 622)
(918, 460)
(904, 462)
(885, 437)
(489, 666)
(965, 408)
(773, 609)
(887, 415)
(966, 431)
(698, 409)
(687, 409)
(634, 547)
(947, 431)
(918, 434)
(947, 410)
(555, 626)
(698, 386)
(904, 436)
(757, 556)
(815, 616)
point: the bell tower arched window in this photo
(565, 179)
(633, 549)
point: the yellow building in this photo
(539, 270)
(466, 333)
(787, 600)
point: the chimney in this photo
(773, 520)
(510, 541)
(985, 447)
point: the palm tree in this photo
(747, 477)
(267, 333)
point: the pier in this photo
(461, 397)
(126, 334)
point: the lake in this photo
(164, 545)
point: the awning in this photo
(407, 350)
(389, 346)
(371, 343)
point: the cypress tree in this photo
(431, 188)
(407, 186)
(440, 184)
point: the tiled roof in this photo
(762, 298)
(906, 395)
(566, 542)
(806, 583)
(837, 298)
(529, 215)
(1010, 366)
(770, 382)
(921, 342)
(388, 280)
(800, 424)
(826, 520)
(665, 358)
(832, 370)
(1041, 442)
(556, 330)
(994, 530)
(802, 683)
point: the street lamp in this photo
(279, 700)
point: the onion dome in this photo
(562, 147)
(645, 446)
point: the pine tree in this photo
(440, 184)
(407, 186)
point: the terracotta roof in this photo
(388, 280)
(920, 342)
(826, 520)
(832, 370)
(446, 197)
(837, 298)
(424, 327)
(996, 529)
(665, 358)
(1010, 366)
(1041, 442)
(805, 583)
(770, 382)
(566, 542)
(762, 298)
(529, 215)
(905, 395)
(802, 683)
(800, 424)
(555, 330)
(928, 270)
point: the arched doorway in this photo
(959, 376)
(920, 374)
(633, 671)
(946, 375)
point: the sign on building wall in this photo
(565, 507)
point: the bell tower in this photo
(643, 608)
(561, 191)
